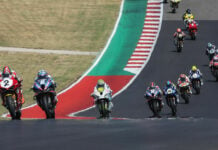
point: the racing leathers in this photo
(156, 88)
(53, 86)
(172, 86)
(191, 72)
(107, 88)
(187, 80)
(177, 36)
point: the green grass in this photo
(57, 24)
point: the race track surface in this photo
(195, 128)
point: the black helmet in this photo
(188, 11)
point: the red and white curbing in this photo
(148, 38)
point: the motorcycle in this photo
(45, 95)
(196, 82)
(174, 4)
(102, 97)
(154, 102)
(170, 96)
(179, 43)
(184, 91)
(214, 70)
(192, 29)
(210, 53)
(8, 88)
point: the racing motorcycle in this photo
(196, 82)
(210, 53)
(8, 88)
(179, 43)
(170, 96)
(45, 95)
(102, 97)
(214, 70)
(174, 4)
(154, 102)
(184, 91)
(192, 29)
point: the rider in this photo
(188, 15)
(193, 70)
(175, 2)
(104, 86)
(155, 87)
(213, 62)
(7, 72)
(171, 85)
(42, 74)
(177, 34)
(210, 46)
(182, 79)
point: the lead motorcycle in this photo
(196, 82)
(8, 88)
(45, 95)
(154, 102)
(184, 91)
(102, 97)
(170, 96)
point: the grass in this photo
(57, 24)
(64, 69)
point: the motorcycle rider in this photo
(187, 16)
(155, 87)
(177, 34)
(102, 84)
(214, 62)
(171, 85)
(210, 47)
(193, 70)
(184, 79)
(42, 74)
(175, 2)
(7, 72)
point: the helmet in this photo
(6, 71)
(100, 83)
(152, 85)
(182, 77)
(168, 83)
(179, 30)
(194, 68)
(188, 11)
(209, 45)
(42, 74)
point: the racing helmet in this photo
(179, 30)
(209, 45)
(188, 11)
(182, 77)
(42, 74)
(152, 85)
(6, 72)
(100, 83)
(194, 68)
(168, 83)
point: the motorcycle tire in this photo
(172, 105)
(174, 10)
(11, 106)
(46, 103)
(186, 98)
(18, 115)
(156, 108)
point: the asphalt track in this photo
(194, 128)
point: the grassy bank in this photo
(53, 24)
